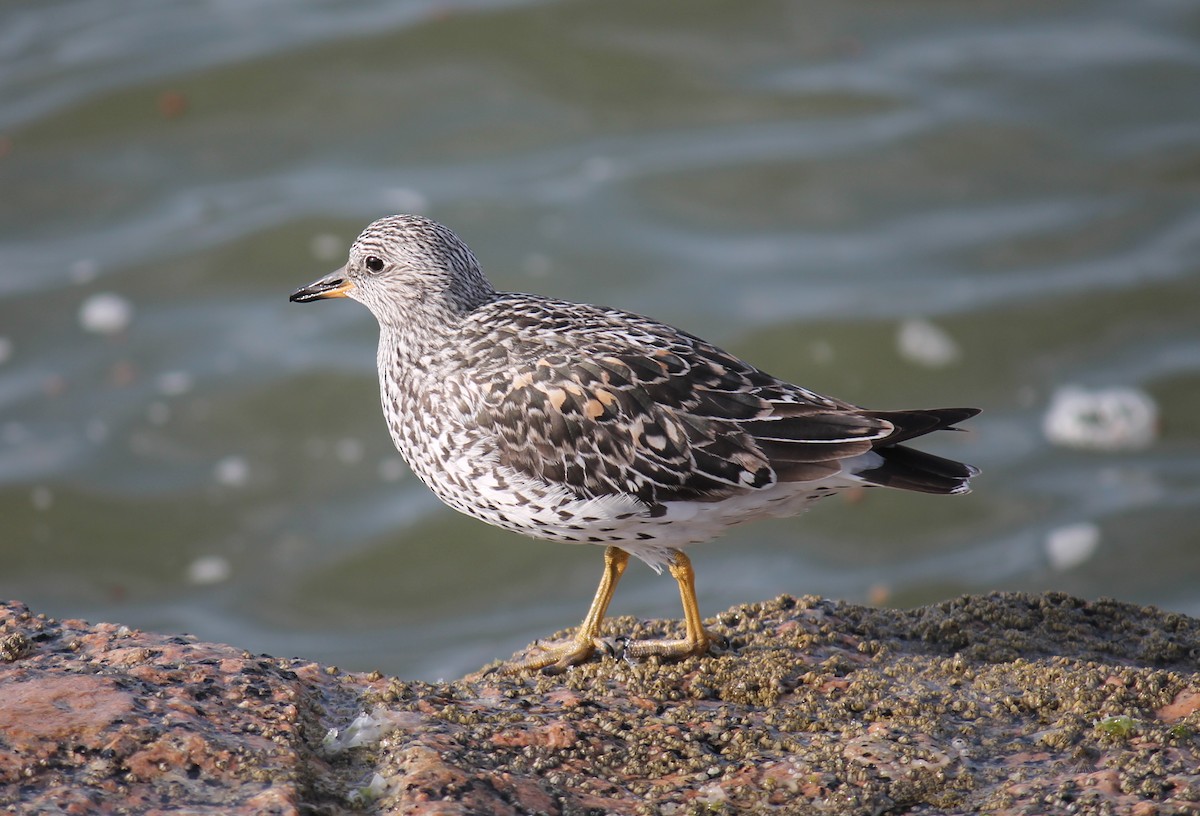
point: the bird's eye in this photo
(374, 264)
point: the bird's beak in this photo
(333, 285)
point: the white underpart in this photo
(622, 520)
(855, 465)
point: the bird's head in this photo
(402, 266)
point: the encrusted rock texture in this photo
(1002, 704)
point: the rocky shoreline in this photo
(1006, 703)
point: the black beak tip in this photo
(326, 288)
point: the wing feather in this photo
(620, 404)
(668, 420)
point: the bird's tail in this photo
(896, 465)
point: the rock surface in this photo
(997, 704)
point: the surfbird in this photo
(579, 423)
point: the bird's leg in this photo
(556, 659)
(696, 639)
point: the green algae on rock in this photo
(1006, 703)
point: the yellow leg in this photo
(587, 638)
(696, 639)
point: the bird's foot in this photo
(553, 660)
(694, 645)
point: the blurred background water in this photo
(903, 204)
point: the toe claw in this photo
(610, 646)
(554, 669)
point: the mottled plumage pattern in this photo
(632, 407)
(578, 423)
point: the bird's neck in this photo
(408, 348)
(416, 353)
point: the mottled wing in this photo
(668, 420)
